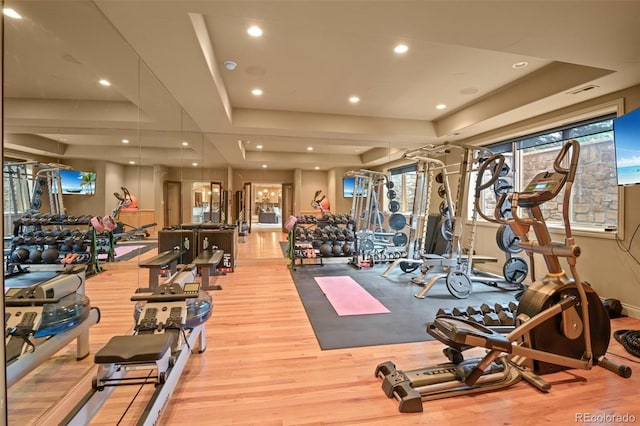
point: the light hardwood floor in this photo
(263, 365)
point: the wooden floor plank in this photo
(263, 364)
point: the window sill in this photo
(559, 231)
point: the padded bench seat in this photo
(206, 260)
(140, 348)
(166, 258)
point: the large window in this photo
(404, 185)
(594, 201)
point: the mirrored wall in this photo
(78, 98)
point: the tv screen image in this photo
(348, 184)
(626, 131)
(77, 182)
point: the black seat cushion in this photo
(139, 348)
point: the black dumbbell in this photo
(506, 318)
(499, 307)
(491, 319)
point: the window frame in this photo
(402, 171)
(565, 122)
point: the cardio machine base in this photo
(446, 380)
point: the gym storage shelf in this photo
(54, 241)
(317, 238)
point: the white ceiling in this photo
(312, 57)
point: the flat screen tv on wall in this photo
(626, 134)
(77, 182)
(348, 184)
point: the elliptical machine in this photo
(560, 322)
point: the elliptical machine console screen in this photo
(543, 187)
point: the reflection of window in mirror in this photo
(206, 202)
(215, 201)
(200, 204)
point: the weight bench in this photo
(443, 267)
(167, 258)
(205, 261)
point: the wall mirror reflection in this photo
(207, 202)
(95, 149)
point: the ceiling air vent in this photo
(583, 89)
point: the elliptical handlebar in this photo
(574, 145)
(495, 174)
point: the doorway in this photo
(266, 209)
(172, 204)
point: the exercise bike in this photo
(560, 321)
(112, 223)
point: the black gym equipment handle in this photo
(481, 187)
(495, 173)
(620, 369)
(30, 301)
(163, 297)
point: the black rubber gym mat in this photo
(407, 320)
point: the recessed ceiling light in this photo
(441, 106)
(254, 31)
(401, 48)
(230, 65)
(125, 140)
(309, 148)
(132, 162)
(194, 164)
(317, 167)
(518, 65)
(256, 92)
(185, 143)
(11, 13)
(264, 166)
(105, 82)
(354, 99)
(259, 146)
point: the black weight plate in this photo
(439, 178)
(505, 210)
(458, 284)
(377, 218)
(444, 209)
(515, 270)
(504, 171)
(409, 267)
(501, 186)
(400, 239)
(366, 245)
(394, 206)
(507, 240)
(397, 221)
(445, 230)
(441, 191)
(391, 194)
(390, 185)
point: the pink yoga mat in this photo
(121, 250)
(348, 298)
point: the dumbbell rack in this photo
(500, 317)
(303, 250)
(30, 236)
(308, 235)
